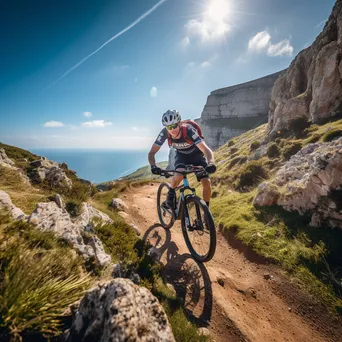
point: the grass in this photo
(23, 195)
(40, 278)
(280, 236)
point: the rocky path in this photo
(236, 296)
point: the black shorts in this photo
(195, 159)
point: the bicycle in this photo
(202, 227)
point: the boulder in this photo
(120, 311)
(50, 217)
(59, 201)
(7, 205)
(4, 160)
(118, 204)
(47, 170)
(310, 182)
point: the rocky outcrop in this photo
(310, 182)
(4, 160)
(233, 110)
(50, 217)
(50, 171)
(311, 87)
(120, 311)
(8, 163)
(7, 205)
(118, 204)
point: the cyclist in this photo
(190, 150)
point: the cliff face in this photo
(233, 110)
(311, 87)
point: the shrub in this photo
(273, 150)
(255, 145)
(233, 150)
(331, 135)
(73, 208)
(252, 173)
(291, 149)
(298, 127)
(234, 161)
(231, 143)
(39, 280)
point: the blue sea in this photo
(97, 165)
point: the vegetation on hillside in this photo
(39, 278)
(50, 274)
(310, 255)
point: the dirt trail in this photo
(235, 295)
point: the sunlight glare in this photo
(218, 10)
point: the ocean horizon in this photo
(100, 165)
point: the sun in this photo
(218, 10)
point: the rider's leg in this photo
(206, 189)
(171, 195)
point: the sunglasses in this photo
(169, 127)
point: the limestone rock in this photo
(311, 87)
(267, 195)
(6, 204)
(233, 110)
(59, 201)
(8, 163)
(118, 204)
(311, 181)
(50, 171)
(49, 217)
(90, 215)
(120, 311)
(4, 159)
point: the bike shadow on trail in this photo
(189, 277)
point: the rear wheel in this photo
(166, 215)
(199, 229)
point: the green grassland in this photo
(280, 236)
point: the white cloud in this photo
(53, 124)
(154, 92)
(96, 123)
(191, 65)
(87, 114)
(282, 48)
(214, 23)
(185, 42)
(262, 42)
(139, 129)
(205, 64)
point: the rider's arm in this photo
(154, 149)
(208, 153)
(156, 146)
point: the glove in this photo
(211, 168)
(155, 170)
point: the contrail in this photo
(108, 41)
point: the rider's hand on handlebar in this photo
(211, 168)
(155, 170)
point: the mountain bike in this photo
(197, 222)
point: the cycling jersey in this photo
(180, 144)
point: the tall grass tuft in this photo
(39, 279)
(36, 290)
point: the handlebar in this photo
(188, 169)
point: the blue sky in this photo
(173, 57)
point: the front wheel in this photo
(166, 215)
(199, 229)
